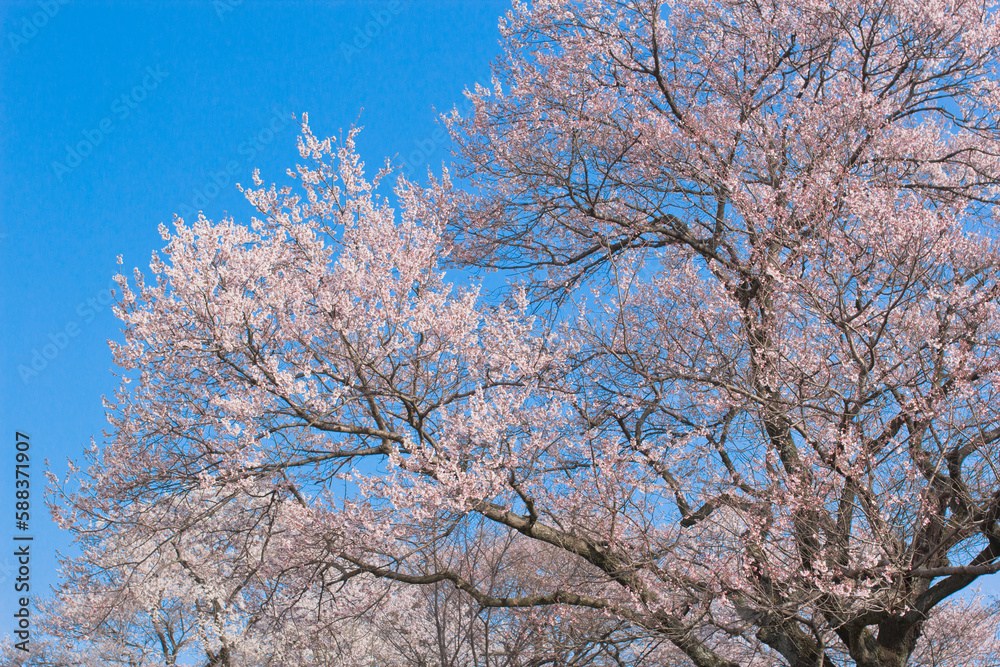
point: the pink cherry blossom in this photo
(736, 400)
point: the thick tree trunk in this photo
(892, 646)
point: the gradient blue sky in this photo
(173, 94)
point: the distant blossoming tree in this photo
(740, 396)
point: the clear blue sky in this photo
(116, 115)
(168, 96)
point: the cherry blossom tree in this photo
(738, 395)
(163, 595)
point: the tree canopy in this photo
(735, 404)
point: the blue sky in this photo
(117, 115)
